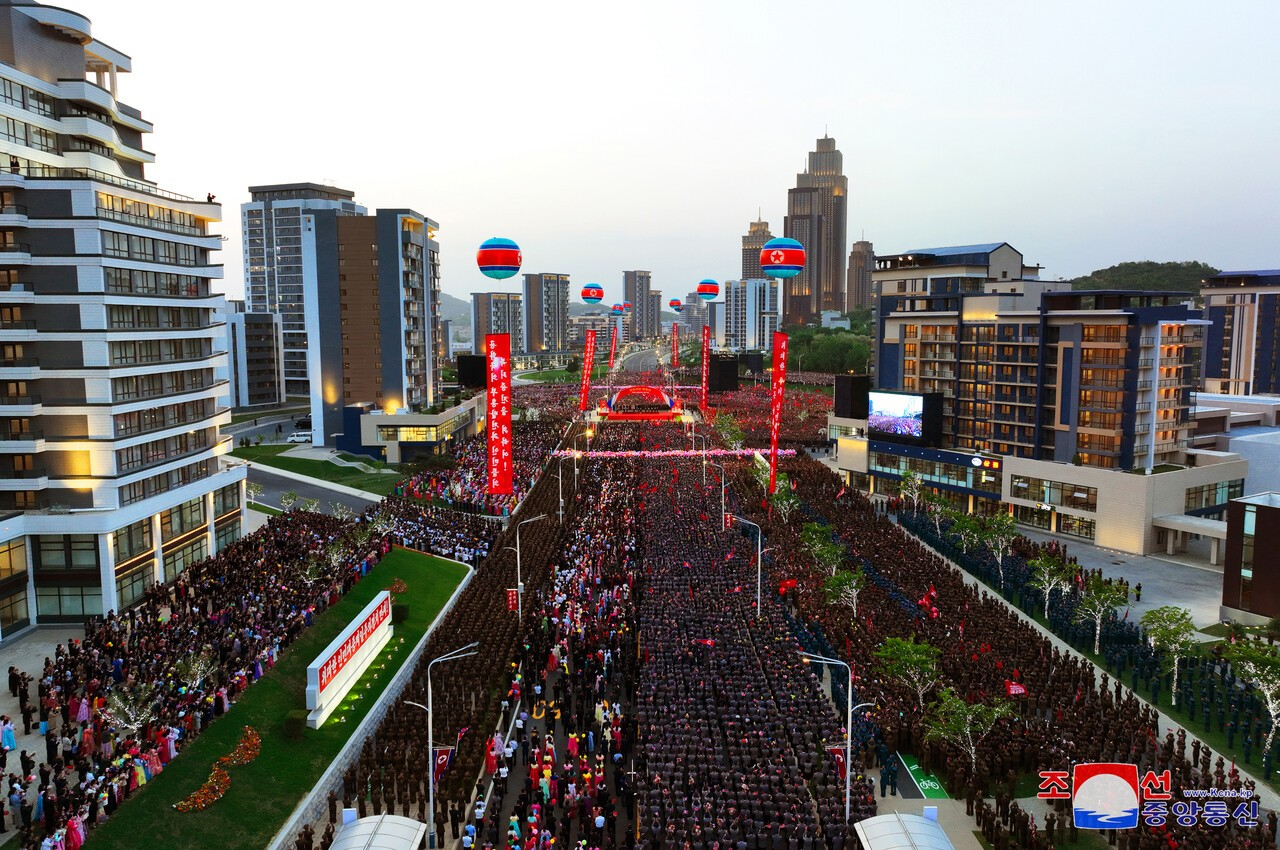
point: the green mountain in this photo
(1147, 275)
(455, 309)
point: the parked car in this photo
(300, 437)
(303, 424)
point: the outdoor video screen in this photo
(892, 413)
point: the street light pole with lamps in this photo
(720, 467)
(460, 652)
(759, 554)
(519, 583)
(809, 658)
(695, 437)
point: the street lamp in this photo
(519, 583)
(460, 652)
(560, 486)
(759, 554)
(809, 658)
(694, 437)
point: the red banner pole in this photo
(498, 413)
(613, 343)
(706, 363)
(589, 364)
(776, 391)
(675, 346)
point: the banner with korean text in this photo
(776, 392)
(675, 346)
(613, 344)
(588, 365)
(497, 415)
(706, 362)
(333, 673)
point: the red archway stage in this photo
(653, 404)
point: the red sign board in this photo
(513, 599)
(330, 667)
(776, 393)
(589, 363)
(613, 344)
(706, 361)
(498, 412)
(675, 346)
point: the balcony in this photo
(1142, 407)
(1147, 341)
(13, 215)
(15, 253)
(1162, 448)
(1142, 428)
(1173, 362)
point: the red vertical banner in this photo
(776, 392)
(497, 417)
(706, 362)
(675, 346)
(613, 343)
(588, 364)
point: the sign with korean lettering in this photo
(513, 599)
(497, 415)
(345, 659)
(588, 364)
(777, 390)
(706, 362)
(613, 344)
(675, 346)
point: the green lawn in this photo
(268, 455)
(265, 792)
(264, 509)
(561, 376)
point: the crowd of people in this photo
(804, 415)
(440, 531)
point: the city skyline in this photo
(1115, 154)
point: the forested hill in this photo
(1148, 275)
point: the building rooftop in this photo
(1227, 398)
(954, 250)
(1271, 500)
(317, 190)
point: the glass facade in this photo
(132, 585)
(13, 557)
(1214, 495)
(179, 559)
(13, 612)
(1076, 526)
(68, 603)
(1056, 493)
(1246, 556)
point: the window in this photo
(226, 499)
(13, 612)
(179, 559)
(132, 540)
(13, 557)
(1057, 493)
(66, 552)
(181, 519)
(1213, 496)
(1246, 556)
(132, 585)
(68, 603)
(1076, 526)
(226, 534)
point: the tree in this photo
(783, 500)
(935, 506)
(194, 668)
(966, 527)
(1170, 631)
(340, 511)
(253, 490)
(130, 709)
(914, 664)
(574, 365)
(842, 588)
(1259, 665)
(287, 500)
(963, 724)
(1049, 573)
(910, 487)
(817, 541)
(1097, 600)
(999, 531)
(308, 505)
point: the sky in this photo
(611, 136)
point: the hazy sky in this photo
(603, 136)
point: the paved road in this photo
(641, 361)
(273, 485)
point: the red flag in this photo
(443, 756)
(613, 345)
(675, 346)
(841, 493)
(838, 756)
(498, 413)
(706, 361)
(589, 363)
(1014, 689)
(793, 485)
(1126, 614)
(704, 641)
(777, 390)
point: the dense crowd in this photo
(804, 415)
(440, 531)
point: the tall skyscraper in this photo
(695, 313)
(862, 262)
(757, 234)
(816, 217)
(752, 313)
(497, 313)
(546, 312)
(113, 382)
(642, 323)
(655, 310)
(271, 225)
(371, 291)
(256, 363)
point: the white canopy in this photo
(381, 832)
(901, 832)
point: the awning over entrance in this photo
(901, 832)
(381, 832)
(1180, 525)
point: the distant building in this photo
(832, 319)
(546, 312)
(862, 262)
(642, 322)
(597, 321)
(655, 310)
(1242, 354)
(254, 346)
(444, 339)
(752, 315)
(372, 290)
(1251, 573)
(497, 313)
(695, 313)
(757, 234)
(271, 226)
(816, 217)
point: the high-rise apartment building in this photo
(113, 378)
(655, 310)
(497, 313)
(271, 225)
(642, 322)
(254, 346)
(752, 313)
(695, 313)
(757, 234)
(371, 286)
(862, 262)
(546, 313)
(1242, 353)
(816, 217)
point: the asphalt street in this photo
(273, 485)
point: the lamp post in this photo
(720, 467)
(759, 554)
(519, 583)
(809, 658)
(460, 652)
(695, 437)
(560, 486)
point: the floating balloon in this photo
(782, 257)
(593, 293)
(708, 290)
(499, 258)
(616, 310)
(675, 304)
(626, 305)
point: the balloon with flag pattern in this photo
(615, 310)
(593, 293)
(626, 305)
(782, 258)
(675, 304)
(708, 290)
(499, 258)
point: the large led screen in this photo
(893, 413)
